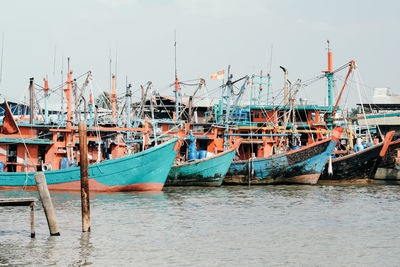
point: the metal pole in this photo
(269, 86)
(128, 105)
(46, 101)
(31, 100)
(285, 85)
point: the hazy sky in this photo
(210, 35)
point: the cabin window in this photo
(198, 129)
(44, 134)
(207, 129)
(12, 153)
(257, 115)
(313, 116)
(202, 144)
(301, 116)
(265, 115)
(60, 137)
(41, 154)
(11, 157)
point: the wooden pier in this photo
(16, 202)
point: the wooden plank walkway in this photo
(26, 201)
(15, 202)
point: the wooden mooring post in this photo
(32, 220)
(83, 151)
(47, 204)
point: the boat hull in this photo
(389, 169)
(302, 166)
(206, 172)
(144, 171)
(353, 167)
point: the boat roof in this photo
(287, 107)
(30, 141)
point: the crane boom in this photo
(352, 63)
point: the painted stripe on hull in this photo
(145, 170)
(95, 187)
(302, 179)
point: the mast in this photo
(1, 60)
(329, 77)
(128, 105)
(31, 101)
(259, 93)
(116, 65)
(228, 108)
(154, 123)
(269, 76)
(75, 94)
(268, 87)
(190, 111)
(228, 97)
(68, 95)
(109, 67)
(176, 92)
(90, 123)
(113, 100)
(62, 95)
(46, 100)
(286, 98)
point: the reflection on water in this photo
(261, 225)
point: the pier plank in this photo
(27, 201)
(17, 201)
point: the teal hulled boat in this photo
(204, 172)
(144, 171)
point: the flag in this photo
(219, 75)
(9, 124)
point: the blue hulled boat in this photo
(300, 166)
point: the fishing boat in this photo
(208, 171)
(114, 164)
(357, 166)
(389, 169)
(299, 166)
(143, 171)
(384, 116)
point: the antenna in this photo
(176, 71)
(109, 63)
(54, 62)
(62, 84)
(116, 59)
(270, 60)
(176, 92)
(1, 63)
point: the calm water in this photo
(355, 225)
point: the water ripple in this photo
(327, 225)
